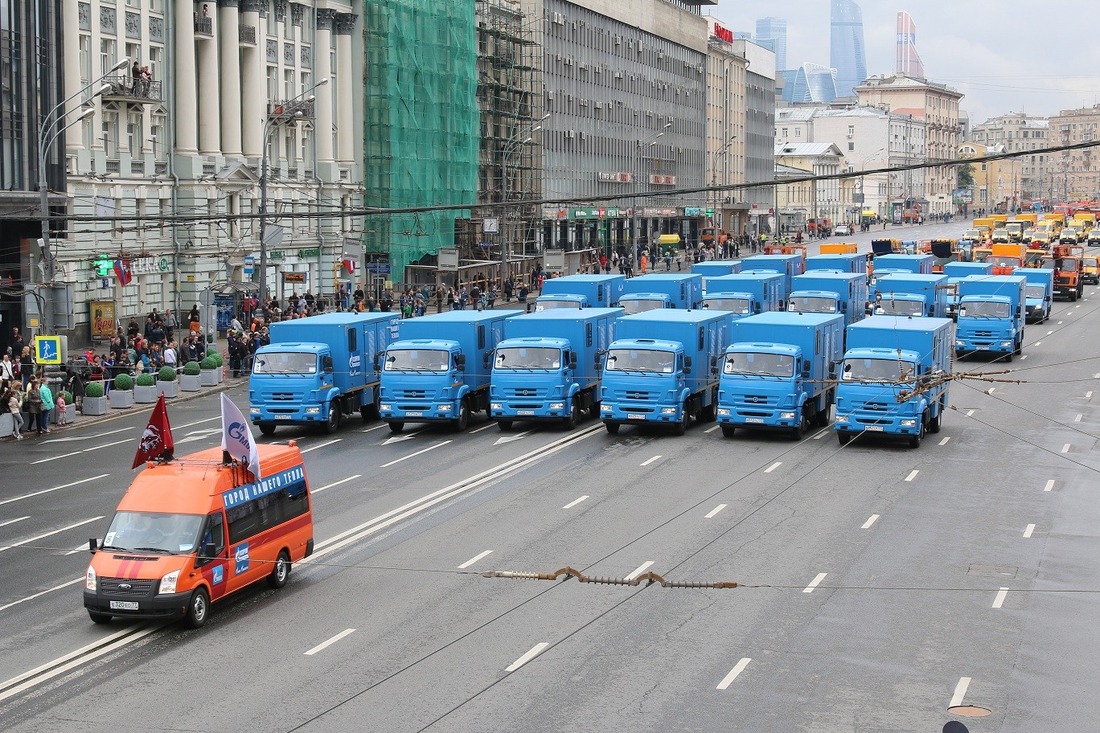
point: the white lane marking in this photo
(106, 445)
(55, 488)
(1096, 376)
(1049, 333)
(78, 548)
(712, 428)
(1088, 395)
(474, 559)
(400, 438)
(371, 430)
(55, 458)
(737, 669)
(573, 503)
(83, 437)
(640, 569)
(821, 434)
(511, 438)
(1028, 530)
(336, 483)
(870, 520)
(651, 460)
(1065, 448)
(531, 654)
(13, 521)
(1024, 356)
(81, 656)
(999, 599)
(814, 583)
(413, 455)
(970, 413)
(1078, 418)
(1059, 323)
(945, 440)
(329, 642)
(991, 390)
(714, 512)
(483, 427)
(774, 466)
(20, 543)
(1049, 486)
(960, 692)
(192, 424)
(912, 474)
(1037, 343)
(66, 584)
(321, 445)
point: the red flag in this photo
(156, 440)
(123, 272)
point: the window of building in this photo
(108, 56)
(85, 53)
(109, 133)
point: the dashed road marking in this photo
(413, 455)
(714, 512)
(870, 520)
(814, 583)
(999, 599)
(1078, 418)
(1065, 448)
(531, 654)
(970, 413)
(1049, 486)
(649, 461)
(474, 559)
(573, 503)
(337, 483)
(912, 474)
(640, 569)
(329, 642)
(712, 428)
(943, 441)
(1028, 530)
(774, 466)
(960, 692)
(737, 669)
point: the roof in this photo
(676, 315)
(467, 316)
(806, 150)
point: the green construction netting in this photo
(422, 123)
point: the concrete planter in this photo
(208, 377)
(190, 382)
(168, 389)
(95, 405)
(70, 414)
(221, 373)
(121, 399)
(145, 395)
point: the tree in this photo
(966, 175)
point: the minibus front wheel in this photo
(198, 608)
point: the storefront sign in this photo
(654, 213)
(150, 265)
(294, 277)
(614, 177)
(313, 252)
(102, 321)
(721, 33)
(660, 179)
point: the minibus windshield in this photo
(156, 532)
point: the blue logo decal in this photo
(219, 574)
(241, 556)
(239, 433)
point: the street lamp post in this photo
(49, 129)
(634, 201)
(511, 146)
(714, 183)
(264, 163)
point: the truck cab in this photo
(745, 293)
(843, 293)
(991, 315)
(1038, 294)
(908, 294)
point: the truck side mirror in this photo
(93, 546)
(687, 363)
(487, 359)
(460, 361)
(756, 308)
(378, 362)
(806, 370)
(326, 364)
(572, 360)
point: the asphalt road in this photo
(870, 594)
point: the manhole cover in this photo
(969, 711)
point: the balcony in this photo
(126, 89)
(204, 26)
(288, 111)
(247, 35)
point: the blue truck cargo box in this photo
(580, 291)
(909, 294)
(746, 293)
(683, 291)
(830, 292)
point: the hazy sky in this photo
(1004, 55)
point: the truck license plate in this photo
(414, 414)
(282, 417)
(873, 428)
(525, 412)
(755, 419)
(634, 416)
(124, 605)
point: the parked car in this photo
(842, 230)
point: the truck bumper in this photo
(435, 412)
(754, 417)
(530, 409)
(640, 414)
(990, 345)
(288, 414)
(854, 423)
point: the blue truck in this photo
(908, 294)
(439, 368)
(580, 291)
(991, 315)
(786, 265)
(316, 370)
(956, 271)
(664, 290)
(917, 264)
(847, 262)
(778, 372)
(1039, 293)
(548, 366)
(662, 369)
(895, 377)
(830, 292)
(745, 293)
(715, 268)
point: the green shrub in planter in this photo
(218, 360)
(124, 381)
(208, 362)
(191, 368)
(94, 389)
(166, 374)
(143, 380)
(68, 396)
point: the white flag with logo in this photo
(237, 437)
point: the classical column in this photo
(209, 108)
(345, 119)
(253, 80)
(322, 53)
(70, 23)
(187, 98)
(229, 44)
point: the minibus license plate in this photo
(124, 605)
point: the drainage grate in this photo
(570, 572)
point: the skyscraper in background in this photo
(771, 33)
(909, 62)
(846, 51)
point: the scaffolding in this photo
(509, 98)
(421, 125)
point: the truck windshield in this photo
(1089, 262)
(1004, 261)
(528, 358)
(759, 364)
(1036, 291)
(153, 532)
(641, 360)
(545, 305)
(895, 307)
(417, 360)
(640, 306)
(983, 309)
(733, 305)
(811, 304)
(285, 362)
(878, 370)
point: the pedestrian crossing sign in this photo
(47, 349)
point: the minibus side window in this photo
(212, 543)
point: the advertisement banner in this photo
(102, 320)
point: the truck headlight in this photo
(908, 423)
(385, 406)
(496, 406)
(959, 342)
(723, 411)
(90, 581)
(444, 406)
(786, 415)
(253, 411)
(668, 410)
(168, 582)
(841, 419)
(557, 405)
(314, 410)
(1006, 344)
(605, 408)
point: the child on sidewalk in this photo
(60, 404)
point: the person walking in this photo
(32, 399)
(45, 395)
(13, 403)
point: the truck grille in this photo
(875, 406)
(983, 334)
(758, 400)
(412, 394)
(138, 588)
(527, 392)
(282, 397)
(633, 395)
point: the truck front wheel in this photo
(504, 425)
(844, 438)
(267, 428)
(803, 423)
(574, 415)
(396, 426)
(681, 427)
(612, 428)
(463, 420)
(728, 431)
(333, 421)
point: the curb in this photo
(136, 410)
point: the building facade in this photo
(759, 126)
(846, 48)
(771, 33)
(726, 88)
(1032, 176)
(1080, 169)
(812, 200)
(908, 61)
